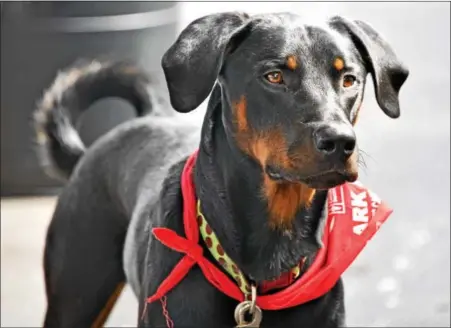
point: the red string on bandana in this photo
(169, 323)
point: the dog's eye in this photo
(348, 80)
(274, 77)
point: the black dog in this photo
(278, 132)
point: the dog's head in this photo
(293, 90)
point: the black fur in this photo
(129, 181)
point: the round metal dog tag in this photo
(240, 312)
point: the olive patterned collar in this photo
(218, 253)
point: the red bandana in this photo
(354, 215)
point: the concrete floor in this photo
(23, 227)
(403, 277)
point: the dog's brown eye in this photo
(348, 81)
(274, 77)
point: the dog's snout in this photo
(336, 140)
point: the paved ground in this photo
(403, 277)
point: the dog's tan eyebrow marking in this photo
(339, 63)
(292, 62)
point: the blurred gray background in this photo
(403, 276)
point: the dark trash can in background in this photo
(40, 38)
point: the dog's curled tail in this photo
(59, 145)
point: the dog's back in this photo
(145, 144)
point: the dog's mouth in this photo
(322, 180)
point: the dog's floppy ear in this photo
(191, 65)
(388, 72)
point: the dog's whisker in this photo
(363, 154)
(361, 160)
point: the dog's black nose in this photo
(336, 140)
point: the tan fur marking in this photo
(292, 63)
(240, 114)
(103, 315)
(284, 198)
(351, 166)
(260, 150)
(339, 64)
(277, 143)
